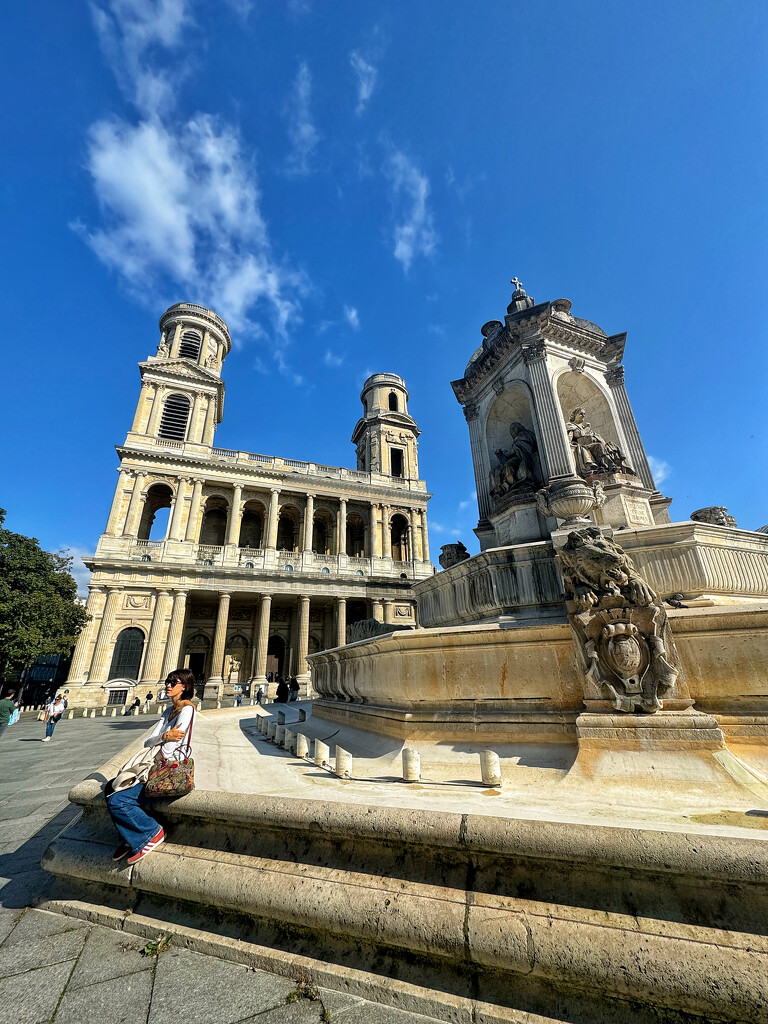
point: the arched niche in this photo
(513, 405)
(214, 528)
(156, 512)
(579, 391)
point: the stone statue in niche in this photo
(163, 350)
(591, 452)
(452, 554)
(234, 669)
(518, 467)
(620, 624)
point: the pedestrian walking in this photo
(7, 707)
(53, 713)
(148, 699)
(239, 700)
(171, 740)
(281, 697)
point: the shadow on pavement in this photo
(27, 882)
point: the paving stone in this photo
(123, 1001)
(31, 998)
(8, 921)
(303, 1011)
(191, 988)
(49, 949)
(374, 1013)
(334, 1002)
(108, 954)
(37, 924)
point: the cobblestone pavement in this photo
(55, 968)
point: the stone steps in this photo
(465, 917)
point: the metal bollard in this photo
(343, 767)
(289, 740)
(279, 735)
(271, 727)
(322, 753)
(302, 745)
(490, 769)
(411, 765)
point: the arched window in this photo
(319, 537)
(286, 533)
(355, 538)
(173, 424)
(399, 538)
(156, 512)
(190, 345)
(394, 405)
(126, 658)
(250, 530)
(214, 528)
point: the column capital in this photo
(275, 490)
(615, 376)
(224, 594)
(180, 592)
(198, 480)
(535, 350)
(97, 589)
(471, 411)
(113, 588)
(163, 591)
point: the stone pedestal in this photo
(627, 502)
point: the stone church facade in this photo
(264, 559)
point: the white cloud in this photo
(367, 74)
(661, 470)
(179, 198)
(130, 33)
(414, 233)
(81, 574)
(331, 359)
(352, 317)
(301, 130)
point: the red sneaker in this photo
(151, 845)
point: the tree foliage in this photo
(38, 613)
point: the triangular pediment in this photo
(175, 369)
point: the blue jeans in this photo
(50, 725)
(127, 810)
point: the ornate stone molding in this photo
(534, 350)
(471, 411)
(615, 376)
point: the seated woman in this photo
(127, 807)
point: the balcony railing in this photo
(148, 543)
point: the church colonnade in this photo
(248, 518)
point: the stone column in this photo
(274, 508)
(377, 611)
(471, 414)
(174, 528)
(204, 348)
(235, 515)
(341, 540)
(425, 536)
(254, 644)
(194, 510)
(636, 452)
(303, 668)
(77, 669)
(373, 530)
(153, 659)
(157, 408)
(138, 419)
(388, 616)
(175, 631)
(123, 479)
(210, 421)
(134, 508)
(265, 610)
(175, 342)
(215, 680)
(413, 519)
(341, 621)
(103, 649)
(555, 450)
(309, 520)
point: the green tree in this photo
(38, 613)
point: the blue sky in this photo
(352, 185)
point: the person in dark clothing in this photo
(293, 686)
(282, 692)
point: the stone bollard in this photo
(490, 768)
(85, 712)
(322, 753)
(279, 735)
(218, 704)
(343, 766)
(104, 712)
(302, 715)
(71, 714)
(302, 745)
(289, 740)
(411, 765)
(281, 717)
(271, 728)
(135, 711)
(93, 713)
(114, 713)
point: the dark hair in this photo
(187, 680)
(10, 693)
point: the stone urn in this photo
(570, 501)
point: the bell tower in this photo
(182, 393)
(386, 436)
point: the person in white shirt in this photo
(140, 832)
(53, 712)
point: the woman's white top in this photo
(184, 721)
(56, 708)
